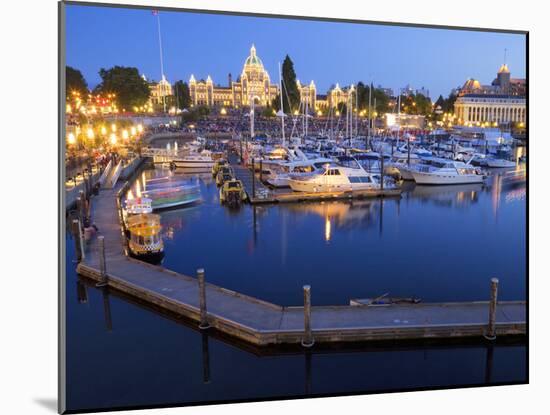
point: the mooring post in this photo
(77, 240)
(261, 169)
(307, 341)
(491, 329)
(202, 300)
(102, 263)
(381, 171)
(253, 181)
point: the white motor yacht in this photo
(202, 160)
(338, 178)
(446, 172)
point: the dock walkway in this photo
(262, 323)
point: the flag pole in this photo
(161, 62)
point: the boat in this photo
(224, 174)
(339, 179)
(400, 162)
(447, 172)
(384, 300)
(199, 161)
(498, 163)
(217, 166)
(138, 206)
(144, 240)
(178, 195)
(232, 193)
(277, 175)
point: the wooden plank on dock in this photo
(263, 323)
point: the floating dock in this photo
(261, 323)
(259, 193)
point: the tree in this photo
(195, 114)
(379, 99)
(183, 96)
(130, 89)
(291, 93)
(75, 81)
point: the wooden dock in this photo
(261, 323)
(259, 193)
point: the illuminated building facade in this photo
(253, 83)
(502, 102)
(160, 92)
(308, 95)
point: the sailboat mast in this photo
(282, 109)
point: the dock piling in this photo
(202, 300)
(381, 171)
(261, 169)
(307, 341)
(491, 329)
(77, 240)
(102, 262)
(253, 177)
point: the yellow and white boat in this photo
(144, 240)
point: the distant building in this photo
(160, 93)
(405, 121)
(253, 83)
(308, 95)
(502, 102)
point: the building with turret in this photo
(501, 102)
(253, 83)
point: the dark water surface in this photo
(437, 243)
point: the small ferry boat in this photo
(173, 196)
(339, 179)
(144, 240)
(232, 193)
(138, 206)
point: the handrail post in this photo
(102, 263)
(491, 329)
(307, 341)
(202, 300)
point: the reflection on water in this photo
(440, 243)
(437, 243)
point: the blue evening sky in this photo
(327, 52)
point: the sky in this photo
(325, 52)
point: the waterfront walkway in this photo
(262, 323)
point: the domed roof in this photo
(253, 58)
(472, 84)
(504, 69)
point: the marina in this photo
(238, 231)
(262, 323)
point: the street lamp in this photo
(125, 134)
(90, 133)
(140, 128)
(113, 138)
(71, 139)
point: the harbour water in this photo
(436, 243)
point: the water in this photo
(437, 243)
